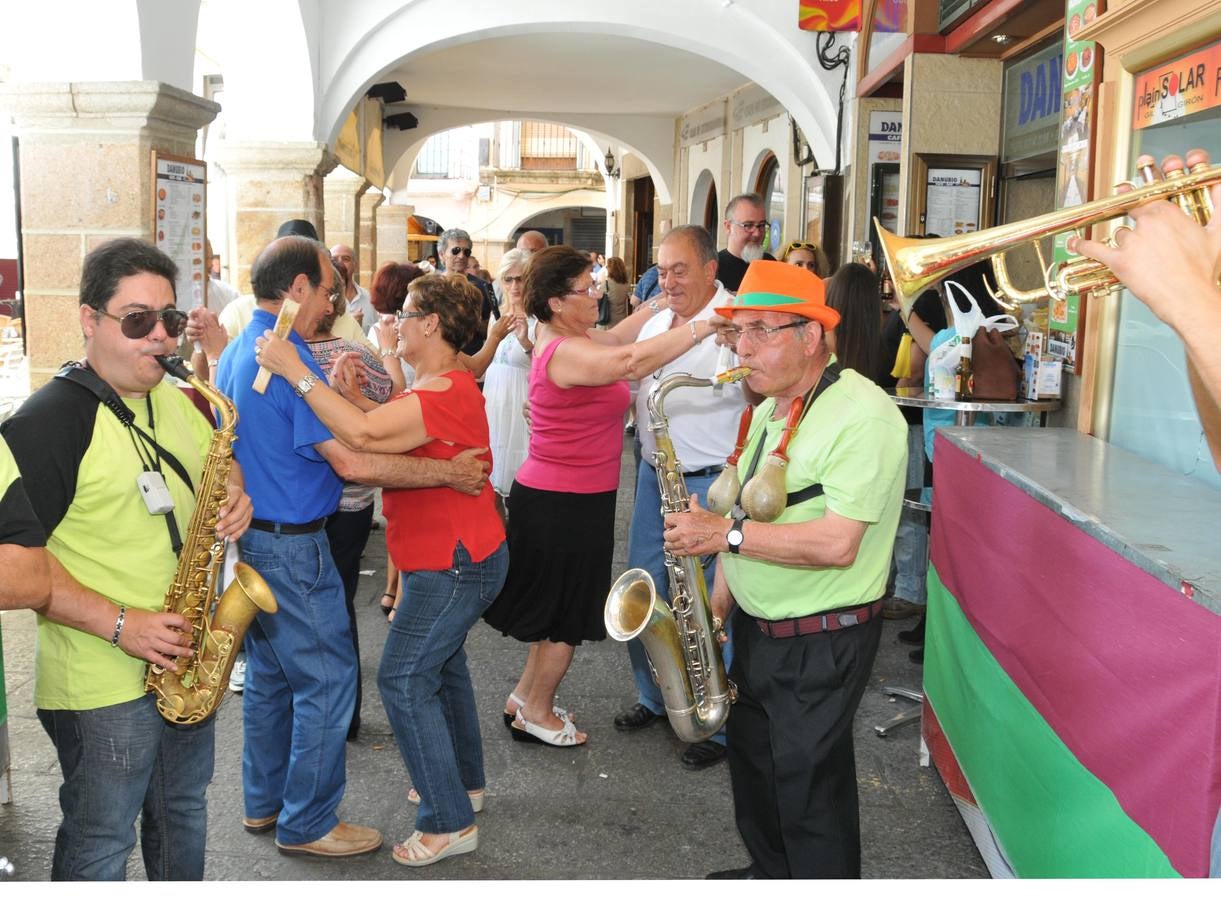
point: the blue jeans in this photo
(426, 688)
(911, 541)
(300, 687)
(119, 762)
(644, 551)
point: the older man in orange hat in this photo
(804, 559)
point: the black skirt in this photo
(560, 555)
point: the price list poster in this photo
(179, 197)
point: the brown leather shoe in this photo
(898, 608)
(342, 840)
(258, 826)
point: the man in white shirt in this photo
(360, 305)
(703, 427)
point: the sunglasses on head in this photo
(140, 323)
(454, 251)
(802, 245)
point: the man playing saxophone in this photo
(110, 456)
(805, 563)
(703, 424)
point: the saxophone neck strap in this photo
(80, 374)
(830, 375)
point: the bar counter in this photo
(1073, 654)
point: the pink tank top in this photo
(576, 439)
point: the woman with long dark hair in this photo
(857, 342)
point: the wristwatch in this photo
(654, 305)
(306, 384)
(734, 536)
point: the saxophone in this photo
(680, 639)
(194, 693)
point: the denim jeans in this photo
(300, 687)
(644, 551)
(347, 532)
(911, 541)
(426, 688)
(119, 762)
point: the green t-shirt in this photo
(853, 441)
(80, 468)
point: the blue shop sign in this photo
(1032, 104)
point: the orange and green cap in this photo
(773, 286)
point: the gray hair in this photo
(699, 237)
(752, 198)
(449, 235)
(511, 260)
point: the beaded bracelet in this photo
(118, 626)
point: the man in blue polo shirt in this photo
(301, 666)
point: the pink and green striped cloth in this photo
(1080, 696)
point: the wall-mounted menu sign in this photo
(180, 188)
(952, 201)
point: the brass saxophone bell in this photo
(723, 492)
(764, 497)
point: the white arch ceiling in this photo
(686, 51)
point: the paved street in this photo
(621, 807)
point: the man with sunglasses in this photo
(746, 226)
(301, 670)
(454, 246)
(807, 584)
(111, 456)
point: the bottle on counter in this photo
(964, 381)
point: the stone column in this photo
(392, 234)
(85, 157)
(366, 250)
(342, 190)
(267, 184)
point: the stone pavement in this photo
(620, 807)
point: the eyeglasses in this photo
(591, 291)
(140, 323)
(751, 226)
(513, 279)
(456, 251)
(760, 334)
(414, 314)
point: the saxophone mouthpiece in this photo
(175, 366)
(729, 376)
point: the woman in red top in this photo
(449, 546)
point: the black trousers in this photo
(791, 757)
(347, 533)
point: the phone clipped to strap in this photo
(284, 321)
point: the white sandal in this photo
(513, 698)
(527, 731)
(413, 852)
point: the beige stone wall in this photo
(340, 190)
(86, 177)
(951, 104)
(391, 235)
(366, 249)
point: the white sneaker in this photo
(237, 676)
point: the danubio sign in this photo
(1032, 104)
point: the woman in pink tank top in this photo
(562, 503)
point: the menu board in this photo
(952, 201)
(180, 188)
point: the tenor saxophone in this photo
(680, 639)
(194, 692)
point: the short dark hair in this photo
(752, 198)
(281, 262)
(699, 238)
(109, 263)
(389, 289)
(550, 273)
(455, 302)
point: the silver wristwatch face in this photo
(304, 385)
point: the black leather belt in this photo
(287, 527)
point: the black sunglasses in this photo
(140, 323)
(454, 251)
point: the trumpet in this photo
(915, 264)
